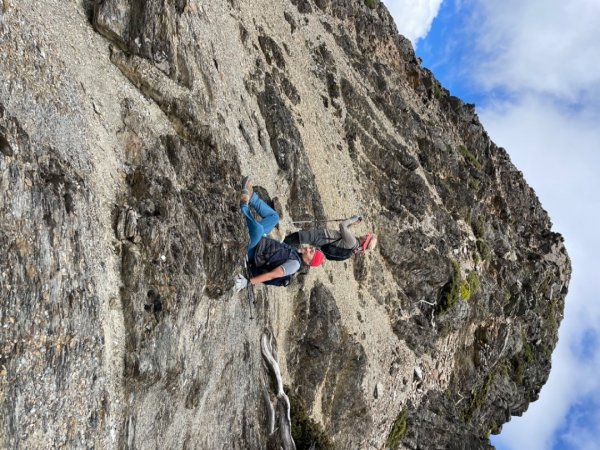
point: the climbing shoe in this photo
(246, 191)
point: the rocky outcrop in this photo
(125, 128)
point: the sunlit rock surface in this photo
(125, 129)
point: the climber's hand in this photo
(240, 283)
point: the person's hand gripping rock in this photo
(240, 283)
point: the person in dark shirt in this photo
(270, 261)
(337, 245)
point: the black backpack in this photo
(335, 253)
(270, 254)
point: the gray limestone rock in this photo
(125, 129)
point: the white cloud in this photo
(544, 46)
(413, 17)
(556, 148)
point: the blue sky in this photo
(532, 68)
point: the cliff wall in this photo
(125, 129)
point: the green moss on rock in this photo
(452, 290)
(479, 396)
(478, 226)
(469, 156)
(398, 431)
(306, 432)
(465, 290)
(528, 351)
(484, 249)
(474, 282)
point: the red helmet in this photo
(368, 237)
(317, 259)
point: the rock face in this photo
(125, 128)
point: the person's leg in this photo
(269, 217)
(255, 228)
